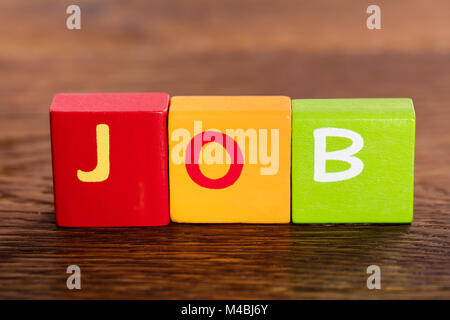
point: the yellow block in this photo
(220, 186)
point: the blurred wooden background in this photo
(303, 49)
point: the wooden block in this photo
(230, 159)
(352, 161)
(110, 159)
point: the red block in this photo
(109, 155)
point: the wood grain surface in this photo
(303, 49)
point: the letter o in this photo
(193, 168)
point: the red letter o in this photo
(193, 168)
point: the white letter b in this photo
(321, 155)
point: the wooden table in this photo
(303, 49)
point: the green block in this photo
(352, 160)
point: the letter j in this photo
(101, 171)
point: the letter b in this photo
(321, 155)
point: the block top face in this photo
(231, 103)
(356, 109)
(111, 102)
